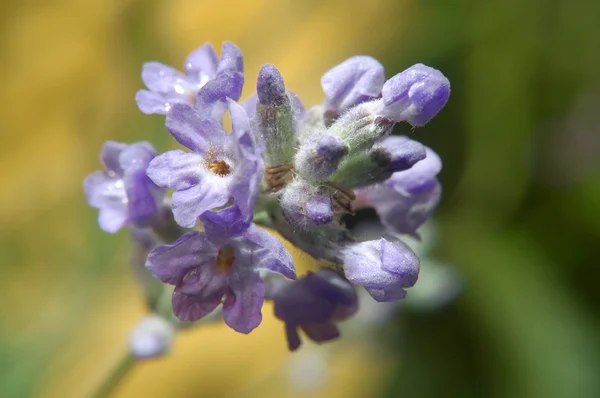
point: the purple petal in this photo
(405, 214)
(109, 156)
(355, 80)
(268, 253)
(415, 95)
(150, 102)
(141, 191)
(189, 308)
(225, 224)
(321, 332)
(419, 177)
(239, 121)
(101, 189)
(137, 155)
(176, 169)
(380, 263)
(249, 105)
(111, 219)
(319, 209)
(171, 262)
(211, 99)
(162, 78)
(242, 307)
(202, 63)
(403, 153)
(392, 293)
(192, 129)
(189, 204)
(231, 58)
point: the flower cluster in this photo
(297, 171)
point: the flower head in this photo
(168, 86)
(222, 262)
(313, 304)
(221, 166)
(385, 267)
(122, 192)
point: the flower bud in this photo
(361, 126)
(275, 117)
(415, 95)
(357, 79)
(304, 206)
(318, 159)
(385, 267)
(378, 163)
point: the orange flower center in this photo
(225, 258)
(219, 167)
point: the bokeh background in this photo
(520, 219)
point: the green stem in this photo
(116, 375)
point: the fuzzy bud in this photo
(318, 159)
(304, 206)
(378, 163)
(275, 117)
(356, 80)
(415, 95)
(361, 126)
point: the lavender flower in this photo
(168, 86)
(122, 192)
(357, 79)
(415, 95)
(221, 166)
(313, 304)
(385, 267)
(205, 266)
(408, 198)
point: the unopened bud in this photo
(415, 95)
(356, 80)
(275, 117)
(318, 159)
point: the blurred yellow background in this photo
(520, 218)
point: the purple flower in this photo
(313, 304)
(205, 266)
(415, 95)
(357, 79)
(168, 86)
(385, 267)
(221, 166)
(408, 198)
(122, 192)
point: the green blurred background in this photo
(520, 219)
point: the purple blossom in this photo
(222, 262)
(212, 98)
(168, 86)
(221, 166)
(384, 267)
(415, 95)
(313, 304)
(408, 198)
(357, 79)
(122, 192)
